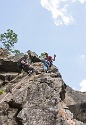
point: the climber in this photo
(24, 64)
(47, 60)
(44, 61)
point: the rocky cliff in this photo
(37, 99)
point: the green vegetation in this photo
(16, 51)
(1, 92)
(8, 40)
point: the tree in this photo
(8, 39)
(16, 51)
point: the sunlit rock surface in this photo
(42, 99)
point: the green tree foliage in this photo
(8, 39)
(16, 51)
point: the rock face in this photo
(77, 104)
(8, 66)
(41, 99)
(79, 111)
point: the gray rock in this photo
(39, 99)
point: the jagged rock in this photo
(9, 62)
(3, 53)
(7, 115)
(38, 66)
(53, 69)
(8, 76)
(1, 82)
(37, 117)
(41, 99)
(8, 66)
(55, 75)
(15, 57)
(79, 111)
(76, 104)
(33, 56)
(77, 96)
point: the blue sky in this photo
(55, 26)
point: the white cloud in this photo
(59, 10)
(83, 86)
(59, 14)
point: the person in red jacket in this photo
(50, 59)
